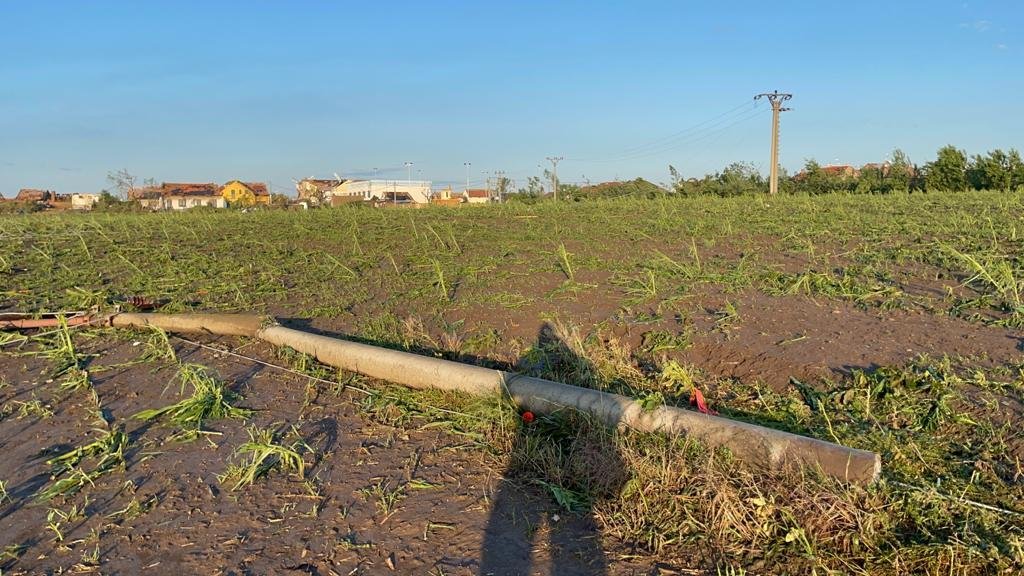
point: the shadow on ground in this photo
(542, 511)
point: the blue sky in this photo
(271, 91)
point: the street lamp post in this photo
(467, 165)
(408, 167)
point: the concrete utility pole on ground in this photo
(554, 173)
(776, 98)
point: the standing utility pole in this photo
(776, 98)
(467, 165)
(501, 182)
(554, 173)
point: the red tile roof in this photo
(186, 189)
(258, 188)
(838, 169)
(34, 195)
(478, 193)
(318, 182)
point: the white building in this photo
(397, 191)
(84, 201)
(477, 196)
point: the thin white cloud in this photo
(978, 25)
(1001, 46)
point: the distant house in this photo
(315, 189)
(477, 196)
(446, 197)
(387, 191)
(241, 193)
(35, 195)
(885, 168)
(84, 201)
(841, 170)
(180, 195)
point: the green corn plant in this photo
(210, 400)
(158, 347)
(69, 473)
(564, 262)
(266, 453)
(999, 276)
(439, 282)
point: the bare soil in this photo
(456, 513)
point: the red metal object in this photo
(27, 323)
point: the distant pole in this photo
(467, 165)
(554, 173)
(501, 182)
(408, 167)
(776, 98)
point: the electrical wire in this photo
(693, 138)
(681, 137)
(684, 131)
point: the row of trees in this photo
(952, 169)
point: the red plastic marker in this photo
(527, 417)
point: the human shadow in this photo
(559, 467)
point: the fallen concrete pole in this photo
(757, 445)
(219, 324)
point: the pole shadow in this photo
(559, 467)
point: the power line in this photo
(697, 136)
(676, 139)
(684, 131)
(704, 136)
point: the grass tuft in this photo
(266, 453)
(69, 471)
(210, 400)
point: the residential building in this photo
(446, 197)
(477, 196)
(389, 191)
(35, 195)
(180, 195)
(315, 189)
(240, 193)
(84, 201)
(842, 170)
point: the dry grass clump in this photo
(680, 500)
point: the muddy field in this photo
(885, 323)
